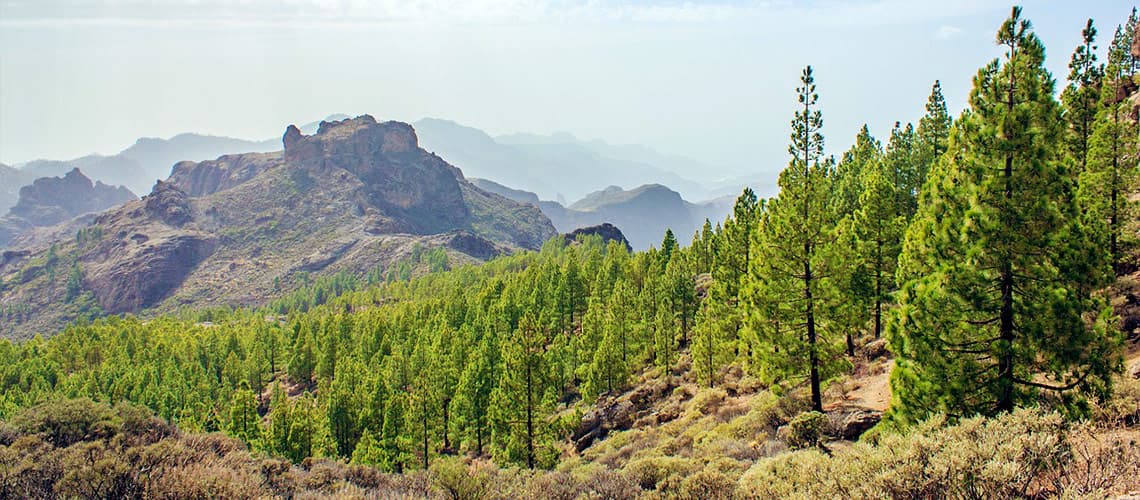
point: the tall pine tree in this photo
(790, 273)
(998, 270)
(1080, 97)
(1112, 160)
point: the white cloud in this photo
(946, 31)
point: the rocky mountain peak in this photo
(50, 200)
(402, 180)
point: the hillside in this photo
(354, 197)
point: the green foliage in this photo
(1081, 96)
(997, 269)
(789, 283)
(1111, 169)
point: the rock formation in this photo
(52, 200)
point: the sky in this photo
(710, 80)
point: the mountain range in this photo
(357, 195)
(643, 213)
(151, 158)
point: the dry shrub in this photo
(1124, 407)
(552, 485)
(735, 449)
(205, 480)
(68, 421)
(1098, 464)
(707, 485)
(93, 471)
(708, 400)
(652, 473)
(1000, 457)
(608, 485)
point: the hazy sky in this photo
(711, 80)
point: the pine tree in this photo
(904, 166)
(1081, 95)
(931, 140)
(997, 268)
(244, 424)
(713, 346)
(731, 256)
(848, 181)
(1112, 160)
(521, 411)
(789, 279)
(879, 226)
(472, 398)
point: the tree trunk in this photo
(529, 418)
(816, 396)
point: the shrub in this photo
(807, 430)
(452, 476)
(707, 485)
(607, 484)
(67, 421)
(651, 473)
(1001, 457)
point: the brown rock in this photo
(208, 177)
(850, 423)
(168, 203)
(146, 274)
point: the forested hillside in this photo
(987, 258)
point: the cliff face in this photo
(400, 179)
(242, 229)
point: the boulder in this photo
(850, 423)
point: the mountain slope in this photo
(356, 196)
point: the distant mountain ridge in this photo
(642, 214)
(151, 158)
(552, 166)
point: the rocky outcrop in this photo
(353, 197)
(473, 245)
(51, 200)
(169, 204)
(208, 177)
(147, 270)
(850, 423)
(400, 179)
(607, 231)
